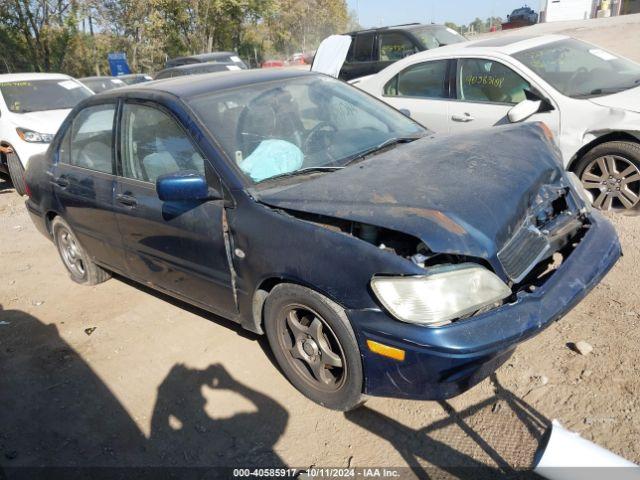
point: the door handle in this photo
(463, 118)
(62, 182)
(126, 200)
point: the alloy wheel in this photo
(613, 181)
(70, 251)
(312, 348)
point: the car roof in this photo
(105, 77)
(22, 77)
(404, 26)
(192, 85)
(196, 66)
(204, 56)
(504, 44)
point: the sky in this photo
(392, 12)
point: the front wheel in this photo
(80, 267)
(314, 344)
(610, 173)
(16, 172)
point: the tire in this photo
(16, 172)
(80, 267)
(610, 172)
(307, 354)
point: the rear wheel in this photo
(610, 172)
(314, 344)
(80, 267)
(16, 172)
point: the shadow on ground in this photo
(5, 184)
(495, 438)
(55, 411)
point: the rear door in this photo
(423, 91)
(176, 246)
(362, 58)
(84, 181)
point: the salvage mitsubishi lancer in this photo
(378, 258)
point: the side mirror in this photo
(184, 186)
(524, 110)
(406, 112)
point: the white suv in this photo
(32, 108)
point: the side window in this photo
(153, 144)
(424, 80)
(88, 143)
(395, 46)
(363, 51)
(481, 80)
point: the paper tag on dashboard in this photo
(69, 84)
(602, 54)
(235, 58)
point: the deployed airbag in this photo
(271, 158)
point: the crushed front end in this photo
(557, 253)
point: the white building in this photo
(559, 10)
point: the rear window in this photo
(40, 95)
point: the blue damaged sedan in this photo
(377, 257)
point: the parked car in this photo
(206, 58)
(196, 69)
(524, 14)
(134, 78)
(32, 107)
(374, 49)
(102, 84)
(379, 259)
(590, 98)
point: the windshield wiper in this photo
(387, 143)
(302, 171)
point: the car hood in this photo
(627, 100)
(463, 194)
(47, 121)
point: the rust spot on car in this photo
(435, 215)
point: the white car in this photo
(589, 98)
(32, 108)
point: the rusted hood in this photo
(463, 194)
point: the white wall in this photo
(559, 10)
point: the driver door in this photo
(178, 247)
(485, 92)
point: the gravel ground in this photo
(118, 375)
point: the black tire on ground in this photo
(16, 172)
(627, 154)
(336, 334)
(80, 267)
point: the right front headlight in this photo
(443, 294)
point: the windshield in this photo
(299, 125)
(580, 70)
(437, 37)
(39, 95)
(103, 84)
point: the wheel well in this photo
(609, 137)
(259, 297)
(49, 220)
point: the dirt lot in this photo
(118, 375)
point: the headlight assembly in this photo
(443, 294)
(34, 137)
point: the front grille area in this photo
(522, 252)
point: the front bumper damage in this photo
(442, 362)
